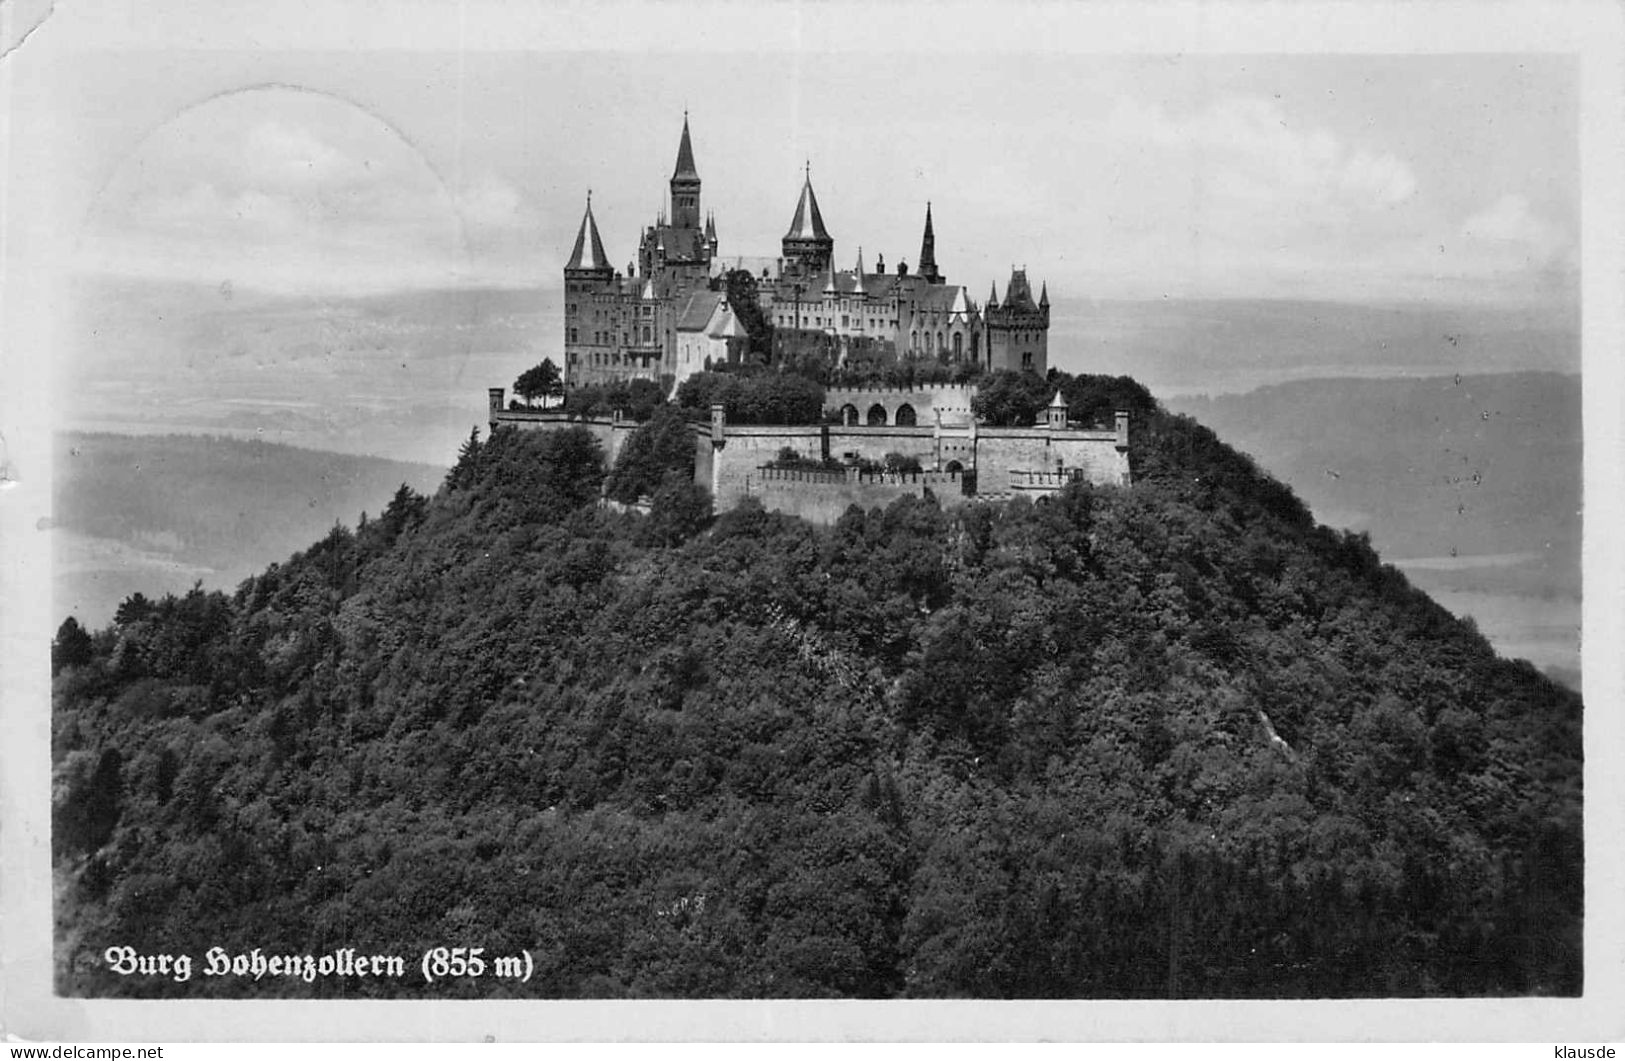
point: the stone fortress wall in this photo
(610, 431)
(823, 497)
(922, 404)
(731, 459)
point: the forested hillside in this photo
(152, 513)
(1471, 484)
(1170, 741)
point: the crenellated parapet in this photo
(921, 405)
(857, 477)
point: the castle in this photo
(668, 316)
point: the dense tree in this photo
(768, 398)
(740, 286)
(1170, 741)
(679, 509)
(540, 381)
(1012, 399)
(72, 647)
(664, 444)
(636, 399)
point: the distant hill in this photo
(1471, 483)
(156, 513)
(405, 375)
(1181, 347)
(1170, 741)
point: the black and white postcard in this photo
(811, 521)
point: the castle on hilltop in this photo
(667, 316)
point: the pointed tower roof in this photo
(1057, 402)
(809, 221)
(993, 296)
(928, 250)
(830, 287)
(589, 248)
(1043, 295)
(685, 157)
(1018, 294)
(857, 274)
(710, 226)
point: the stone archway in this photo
(953, 466)
(877, 415)
(905, 416)
(849, 415)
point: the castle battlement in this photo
(1044, 481)
(962, 391)
(857, 477)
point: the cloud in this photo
(1254, 156)
(286, 191)
(1509, 223)
(279, 154)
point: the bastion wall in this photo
(731, 459)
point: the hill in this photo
(1183, 347)
(155, 514)
(1170, 741)
(1471, 484)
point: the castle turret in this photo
(1055, 415)
(588, 276)
(588, 260)
(808, 244)
(928, 252)
(1017, 329)
(685, 185)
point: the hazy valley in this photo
(156, 514)
(1471, 485)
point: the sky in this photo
(1346, 177)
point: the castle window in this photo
(647, 335)
(959, 345)
(845, 320)
(906, 416)
(877, 415)
(572, 335)
(1027, 360)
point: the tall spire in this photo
(1043, 295)
(928, 251)
(589, 249)
(685, 157)
(993, 295)
(685, 186)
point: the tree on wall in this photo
(538, 382)
(664, 444)
(1011, 399)
(742, 299)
